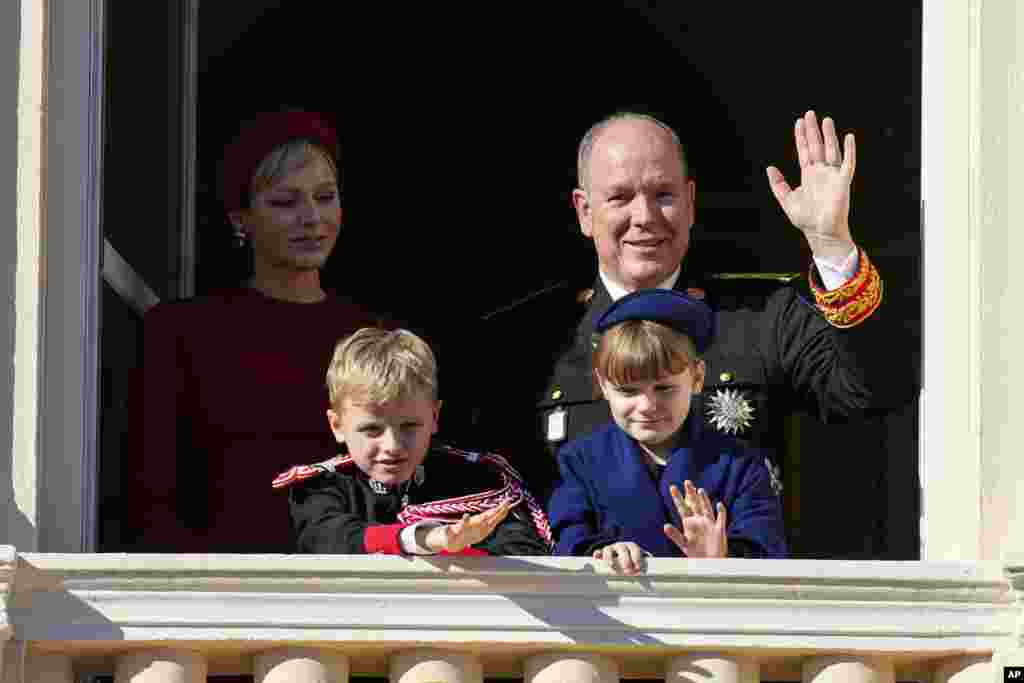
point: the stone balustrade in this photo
(320, 619)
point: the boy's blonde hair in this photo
(642, 351)
(375, 366)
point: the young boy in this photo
(387, 495)
(618, 498)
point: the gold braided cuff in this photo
(855, 301)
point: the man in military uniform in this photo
(782, 343)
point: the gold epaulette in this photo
(783, 278)
(852, 303)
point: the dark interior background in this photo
(459, 127)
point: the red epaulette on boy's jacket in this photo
(447, 510)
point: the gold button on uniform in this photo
(556, 394)
(725, 377)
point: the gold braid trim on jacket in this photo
(855, 301)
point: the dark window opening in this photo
(459, 131)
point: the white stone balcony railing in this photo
(145, 618)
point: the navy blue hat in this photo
(692, 317)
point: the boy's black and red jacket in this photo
(343, 512)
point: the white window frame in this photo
(69, 337)
(950, 453)
(950, 409)
(68, 398)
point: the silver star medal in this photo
(730, 412)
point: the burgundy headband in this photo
(261, 136)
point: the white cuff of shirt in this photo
(407, 539)
(834, 276)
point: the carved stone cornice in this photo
(878, 607)
(1015, 575)
(8, 564)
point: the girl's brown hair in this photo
(641, 351)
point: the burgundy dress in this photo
(233, 392)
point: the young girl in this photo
(652, 482)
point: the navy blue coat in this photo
(606, 494)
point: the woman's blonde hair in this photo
(375, 366)
(286, 158)
(642, 351)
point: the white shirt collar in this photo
(617, 291)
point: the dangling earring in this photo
(238, 238)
